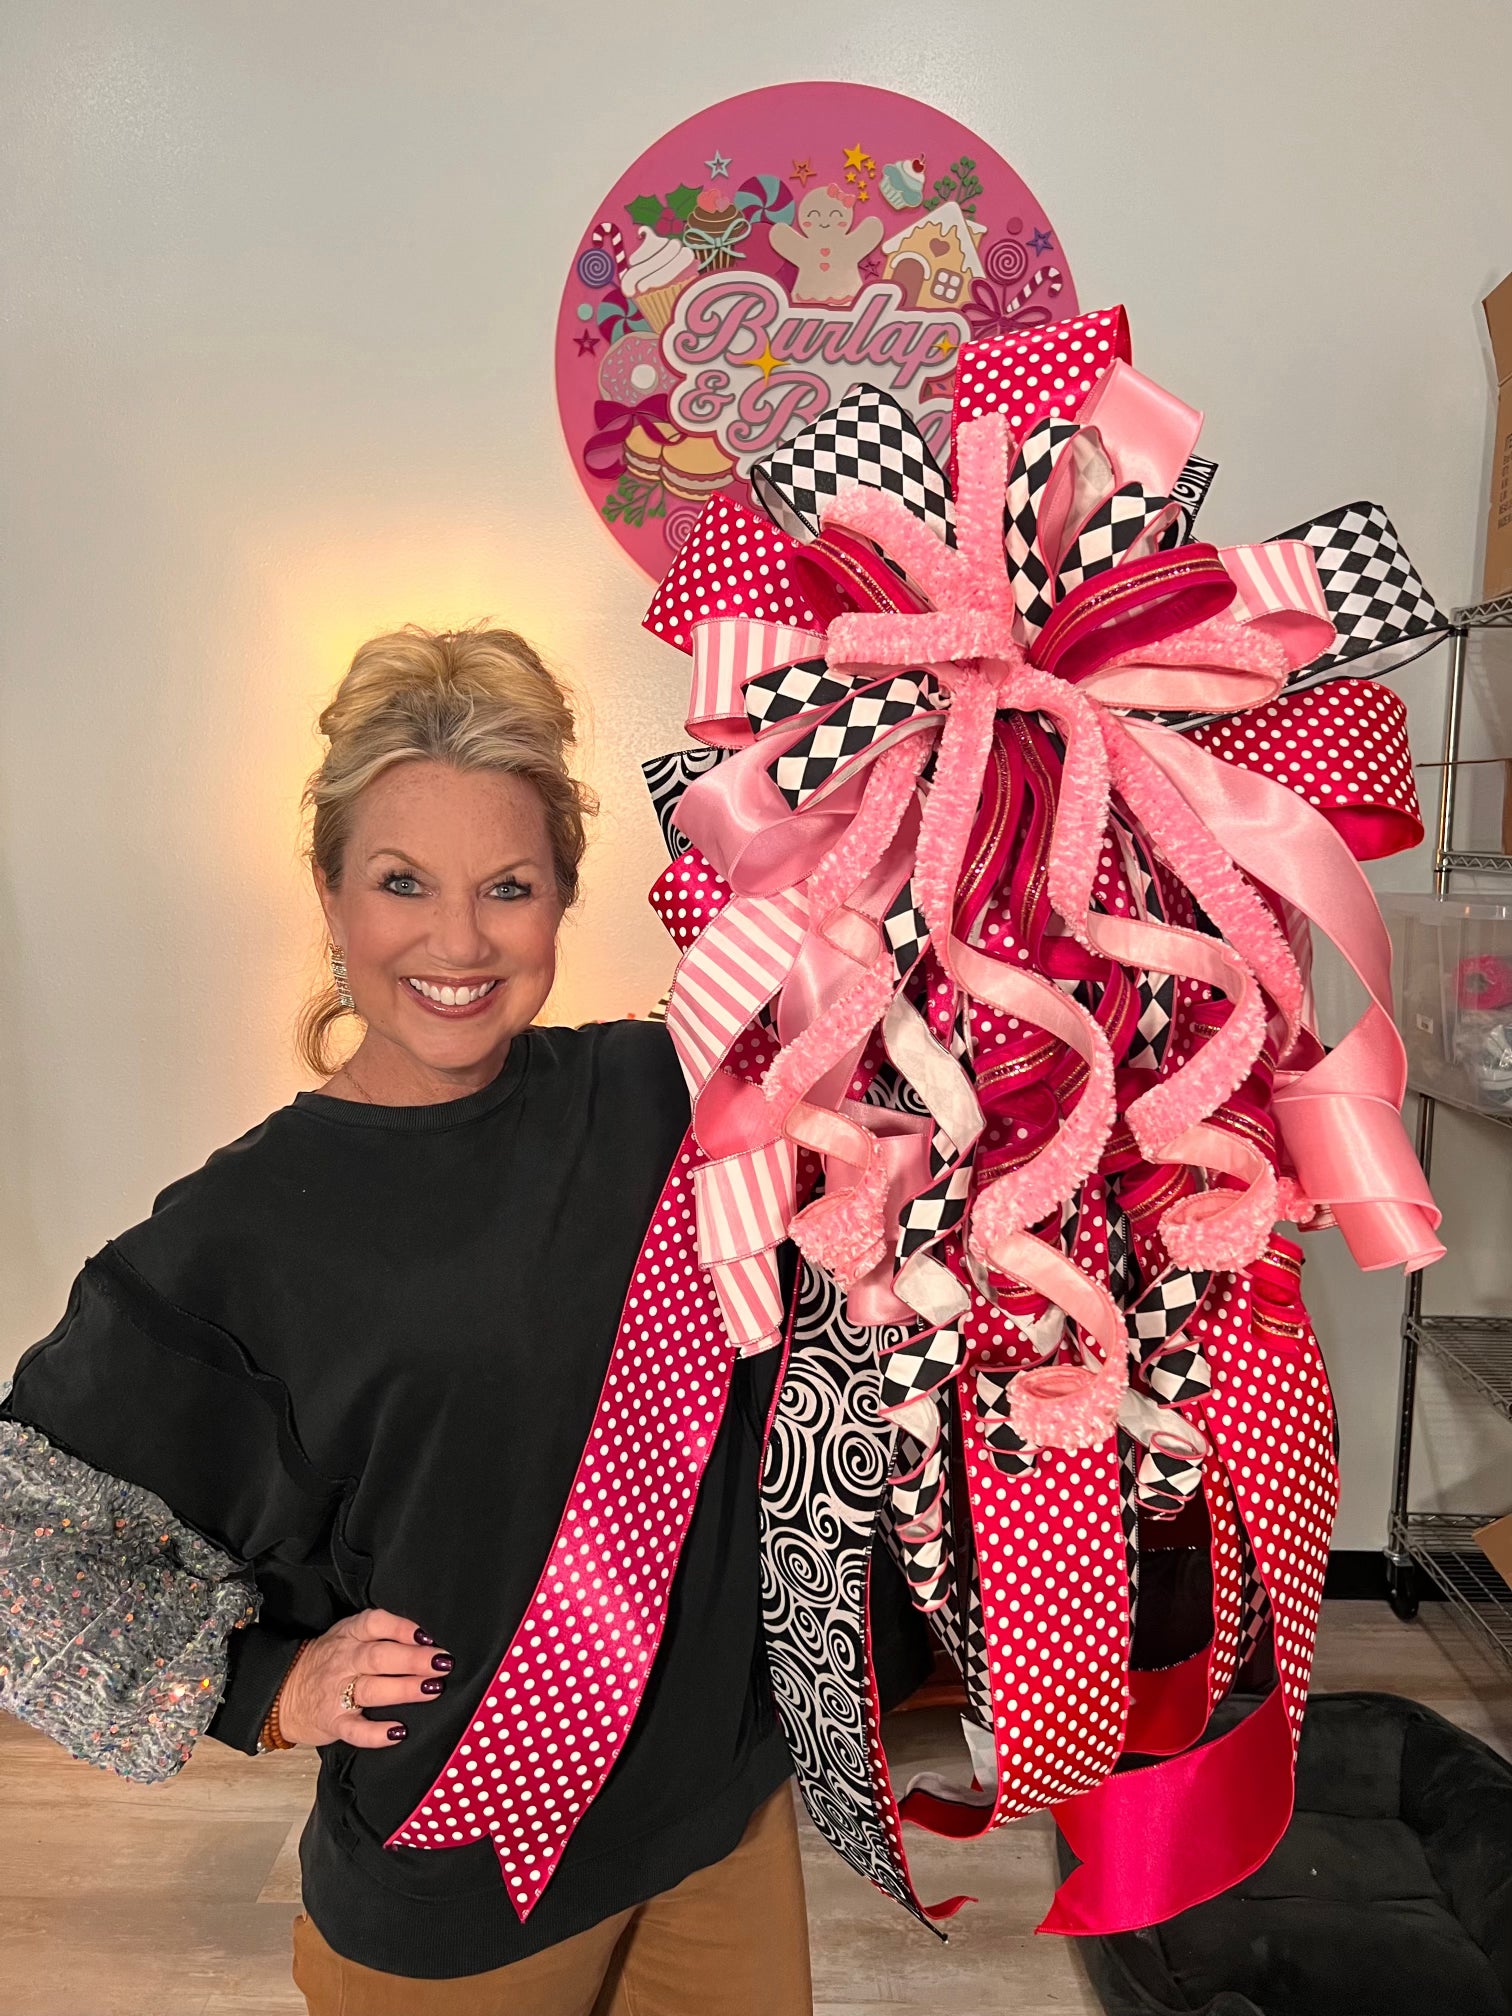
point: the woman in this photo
(357, 1357)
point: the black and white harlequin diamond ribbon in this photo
(1010, 1453)
(917, 1508)
(852, 718)
(872, 715)
(1125, 522)
(1382, 614)
(1157, 991)
(789, 690)
(1123, 525)
(1128, 1514)
(867, 438)
(918, 1365)
(1174, 1371)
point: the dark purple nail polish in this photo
(442, 1662)
(397, 1732)
(431, 1686)
(424, 1638)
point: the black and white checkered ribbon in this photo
(867, 438)
(851, 732)
(1382, 614)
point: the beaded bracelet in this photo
(271, 1736)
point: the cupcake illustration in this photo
(658, 270)
(715, 228)
(903, 183)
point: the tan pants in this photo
(730, 1940)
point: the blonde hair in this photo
(476, 699)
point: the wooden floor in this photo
(175, 1900)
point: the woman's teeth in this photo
(452, 997)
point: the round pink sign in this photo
(761, 259)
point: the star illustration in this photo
(717, 164)
(766, 363)
(587, 343)
(1040, 241)
(803, 172)
(857, 157)
(871, 265)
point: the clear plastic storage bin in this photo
(1452, 965)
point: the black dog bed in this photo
(1390, 1893)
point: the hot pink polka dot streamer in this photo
(1055, 1596)
(735, 564)
(1271, 1420)
(1341, 746)
(688, 896)
(1034, 374)
(556, 1714)
(1228, 1581)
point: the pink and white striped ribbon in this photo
(728, 652)
(745, 1204)
(728, 977)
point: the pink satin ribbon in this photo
(1341, 1119)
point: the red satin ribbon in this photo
(1142, 1857)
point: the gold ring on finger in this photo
(349, 1698)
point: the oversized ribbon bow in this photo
(1048, 594)
(928, 711)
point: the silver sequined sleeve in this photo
(114, 1617)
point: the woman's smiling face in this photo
(447, 913)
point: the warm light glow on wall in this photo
(322, 591)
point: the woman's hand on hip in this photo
(372, 1660)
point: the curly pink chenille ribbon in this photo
(970, 640)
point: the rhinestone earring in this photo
(339, 975)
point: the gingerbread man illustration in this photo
(827, 246)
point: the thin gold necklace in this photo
(353, 1080)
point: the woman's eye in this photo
(401, 885)
(510, 891)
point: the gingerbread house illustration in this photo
(935, 260)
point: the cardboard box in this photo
(1498, 577)
(1495, 1542)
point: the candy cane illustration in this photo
(602, 259)
(609, 235)
(1042, 276)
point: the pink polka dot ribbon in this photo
(554, 1718)
(1341, 747)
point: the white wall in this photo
(279, 284)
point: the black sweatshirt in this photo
(361, 1349)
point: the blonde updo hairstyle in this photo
(477, 699)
